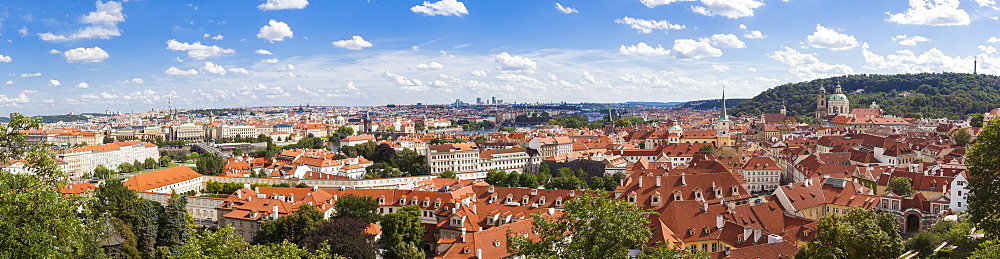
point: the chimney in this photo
(683, 181)
(756, 235)
(657, 181)
(335, 197)
(463, 235)
(534, 192)
(239, 194)
(572, 193)
(489, 190)
(552, 211)
(246, 186)
(719, 221)
(473, 208)
(479, 253)
(274, 212)
(256, 189)
(315, 188)
(747, 231)
(640, 180)
(704, 206)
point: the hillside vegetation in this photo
(712, 104)
(932, 95)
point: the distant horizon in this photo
(65, 56)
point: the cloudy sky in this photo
(81, 56)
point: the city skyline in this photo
(82, 56)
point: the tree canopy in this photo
(984, 179)
(901, 186)
(357, 207)
(858, 234)
(601, 227)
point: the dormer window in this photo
(735, 190)
(402, 201)
(691, 231)
(697, 196)
(414, 202)
(509, 199)
(678, 196)
(437, 204)
(655, 200)
(524, 200)
(427, 203)
(493, 199)
(631, 198)
(456, 221)
(490, 221)
(381, 199)
(559, 201)
(541, 201)
(718, 192)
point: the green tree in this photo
(209, 164)
(449, 174)
(858, 234)
(123, 203)
(344, 132)
(237, 151)
(345, 236)
(988, 249)
(103, 172)
(150, 163)
(984, 179)
(147, 227)
(962, 137)
(224, 244)
(924, 243)
(126, 168)
(406, 250)
(402, 226)
(175, 224)
(496, 178)
(601, 227)
(706, 149)
(128, 248)
(366, 149)
(384, 153)
(293, 227)
(357, 207)
(901, 186)
(48, 226)
(164, 161)
(977, 120)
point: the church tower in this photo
(609, 125)
(722, 124)
(821, 104)
(838, 104)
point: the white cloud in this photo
(655, 3)
(478, 72)
(754, 35)
(727, 41)
(103, 24)
(239, 70)
(5, 59)
(642, 49)
(31, 75)
(906, 61)
(807, 66)
(263, 52)
(827, 38)
(134, 81)
(694, 49)
(209, 36)
(197, 50)
(10, 82)
(415, 48)
(54, 83)
(589, 79)
(23, 31)
(86, 55)
(564, 9)
(275, 31)
(269, 61)
(405, 84)
(515, 63)
(647, 26)
(443, 7)
(355, 43)
(988, 49)
(993, 40)
(432, 65)
(178, 72)
(988, 4)
(727, 8)
(909, 41)
(55, 51)
(720, 68)
(83, 85)
(212, 68)
(283, 5)
(931, 12)
(29, 91)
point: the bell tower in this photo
(821, 104)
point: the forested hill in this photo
(932, 95)
(712, 104)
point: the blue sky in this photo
(82, 56)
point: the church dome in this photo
(675, 127)
(837, 97)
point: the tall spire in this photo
(725, 116)
(975, 66)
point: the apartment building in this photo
(82, 160)
(460, 158)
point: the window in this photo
(559, 202)
(524, 200)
